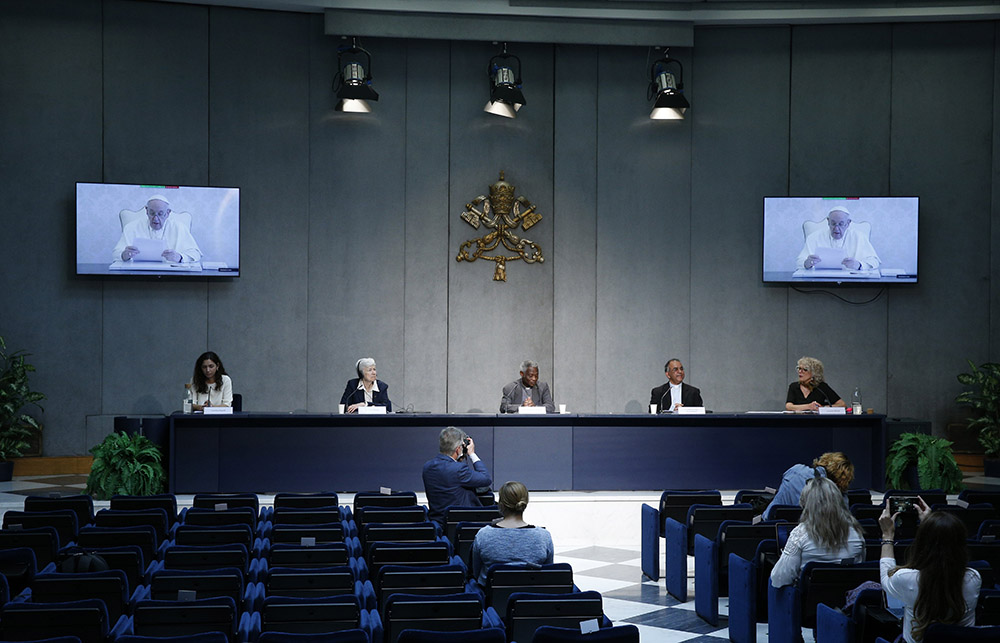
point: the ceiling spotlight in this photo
(669, 89)
(505, 85)
(353, 83)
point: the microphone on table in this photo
(665, 393)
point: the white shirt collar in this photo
(673, 386)
(361, 384)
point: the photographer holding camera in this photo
(452, 477)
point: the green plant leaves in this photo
(16, 427)
(984, 399)
(128, 465)
(935, 463)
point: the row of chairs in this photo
(753, 599)
(697, 523)
(97, 603)
(252, 610)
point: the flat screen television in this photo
(157, 230)
(840, 240)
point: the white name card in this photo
(218, 410)
(371, 410)
(531, 410)
(690, 410)
(832, 410)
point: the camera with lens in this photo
(465, 445)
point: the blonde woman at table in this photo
(810, 391)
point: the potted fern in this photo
(17, 427)
(921, 461)
(984, 398)
(128, 465)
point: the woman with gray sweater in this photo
(510, 539)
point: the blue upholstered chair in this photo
(504, 580)
(109, 586)
(679, 539)
(354, 635)
(165, 501)
(748, 593)
(673, 504)
(711, 562)
(425, 581)
(792, 607)
(43, 541)
(833, 626)
(617, 634)
(174, 618)
(447, 613)
(526, 612)
(82, 505)
(64, 521)
(482, 635)
(85, 619)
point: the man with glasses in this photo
(860, 255)
(180, 245)
(675, 393)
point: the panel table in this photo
(271, 452)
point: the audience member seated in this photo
(833, 465)
(935, 585)
(810, 391)
(210, 384)
(826, 533)
(365, 389)
(452, 477)
(510, 539)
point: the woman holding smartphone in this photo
(935, 585)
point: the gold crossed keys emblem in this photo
(501, 214)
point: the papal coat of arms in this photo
(501, 214)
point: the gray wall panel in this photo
(429, 257)
(944, 320)
(994, 354)
(574, 257)
(643, 232)
(356, 231)
(839, 118)
(50, 137)
(149, 330)
(260, 141)
(494, 325)
(840, 80)
(155, 93)
(155, 130)
(651, 231)
(738, 344)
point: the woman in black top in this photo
(810, 391)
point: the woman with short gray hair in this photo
(365, 389)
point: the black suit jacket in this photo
(690, 396)
(353, 395)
